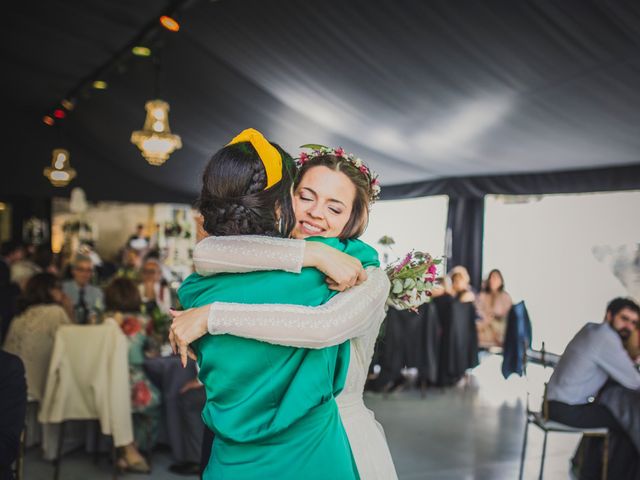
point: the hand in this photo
(187, 326)
(343, 271)
(191, 385)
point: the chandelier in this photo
(155, 140)
(60, 172)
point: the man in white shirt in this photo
(595, 356)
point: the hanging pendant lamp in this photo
(155, 140)
(60, 172)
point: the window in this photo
(565, 255)
(414, 224)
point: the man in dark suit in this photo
(13, 405)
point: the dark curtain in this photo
(465, 225)
(569, 181)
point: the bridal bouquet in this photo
(412, 279)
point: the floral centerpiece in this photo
(412, 280)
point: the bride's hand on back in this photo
(187, 326)
(343, 271)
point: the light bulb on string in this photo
(169, 23)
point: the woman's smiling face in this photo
(322, 203)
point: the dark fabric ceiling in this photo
(421, 90)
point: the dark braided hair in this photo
(234, 201)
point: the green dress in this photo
(272, 408)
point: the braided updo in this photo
(234, 201)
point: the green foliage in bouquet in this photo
(412, 280)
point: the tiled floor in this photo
(474, 432)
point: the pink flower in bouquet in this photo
(131, 326)
(140, 394)
(404, 262)
(433, 269)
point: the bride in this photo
(331, 198)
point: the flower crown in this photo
(320, 150)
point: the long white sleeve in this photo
(247, 253)
(347, 315)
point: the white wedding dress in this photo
(354, 315)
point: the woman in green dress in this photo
(271, 407)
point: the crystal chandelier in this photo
(60, 172)
(155, 140)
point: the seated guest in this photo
(10, 252)
(632, 345)
(493, 305)
(13, 406)
(593, 357)
(458, 348)
(33, 331)
(24, 269)
(87, 299)
(130, 265)
(153, 288)
(461, 284)
(122, 301)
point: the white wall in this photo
(414, 224)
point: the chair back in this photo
(544, 362)
(89, 377)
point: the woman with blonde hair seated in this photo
(460, 282)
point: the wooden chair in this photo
(541, 420)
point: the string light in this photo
(59, 113)
(67, 104)
(140, 51)
(169, 23)
(48, 120)
(100, 85)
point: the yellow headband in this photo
(271, 158)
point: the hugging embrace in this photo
(283, 314)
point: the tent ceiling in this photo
(422, 90)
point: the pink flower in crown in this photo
(303, 158)
(364, 169)
(339, 152)
(375, 182)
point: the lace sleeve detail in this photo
(347, 315)
(247, 253)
